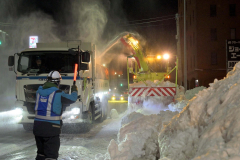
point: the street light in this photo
(166, 56)
(159, 57)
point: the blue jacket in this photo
(59, 97)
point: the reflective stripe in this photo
(49, 106)
(54, 118)
(48, 109)
(36, 107)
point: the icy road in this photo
(17, 144)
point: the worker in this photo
(40, 66)
(48, 116)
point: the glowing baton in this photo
(75, 74)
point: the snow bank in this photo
(138, 139)
(209, 126)
(178, 106)
(114, 114)
(192, 92)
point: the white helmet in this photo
(54, 76)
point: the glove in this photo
(74, 88)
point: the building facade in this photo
(209, 23)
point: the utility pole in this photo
(185, 51)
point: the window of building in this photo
(213, 10)
(213, 58)
(232, 9)
(233, 33)
(213, 34)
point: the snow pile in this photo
(138, 139)
(131, 117)
(114, 114)
(182, 99)
(209, 126)
(178, 106)
(192, 92)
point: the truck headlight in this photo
(121, 98)
(113, 98)
(75, 110)
(18, 111)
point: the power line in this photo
(157, 25)
(151, 18)
(148, 22)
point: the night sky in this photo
(98, 21)
(122, 15)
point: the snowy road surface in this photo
(17, 144)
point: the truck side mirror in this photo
(84, 66)
(10, 61)
(85, 56)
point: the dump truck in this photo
(91, 80)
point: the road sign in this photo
(233, 53)
(33, 40)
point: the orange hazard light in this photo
(75, 72)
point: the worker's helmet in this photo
(54, 77)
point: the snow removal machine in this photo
(147, 82)
(91, 80)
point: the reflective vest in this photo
(44, 108)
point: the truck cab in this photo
(32, 67)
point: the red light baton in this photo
(75, 74)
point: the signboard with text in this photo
(233, 53)
(33, 40)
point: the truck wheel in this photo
(88, 119)
(28, 127)
(104, 113)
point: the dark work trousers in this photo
(48, 147)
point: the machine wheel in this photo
(28, 127)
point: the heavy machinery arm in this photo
(144, 73)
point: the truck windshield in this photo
(44, 62)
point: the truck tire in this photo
(88, 119)
(28, 127)
(104, 113)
